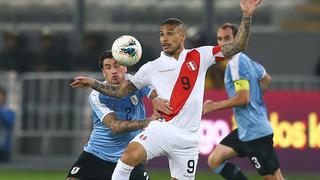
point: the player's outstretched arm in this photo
(125, 87)
(241, 98)
(241, 40)
(121, 126)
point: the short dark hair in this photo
(106, 54)
(172, 21)
(3, 91)
(233, 27)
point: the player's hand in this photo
(155, 116)
(82, 82)
(208, 106)
(161, 105)
(249, 6)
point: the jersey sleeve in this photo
(239, 67)
(146, 91)
(97, 105)
(211, 55)
(141, 78)
(261, 71)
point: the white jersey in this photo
(180, 81)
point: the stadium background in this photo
(53, 120)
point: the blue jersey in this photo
(103, 143)
(6, 128)
(252, 119)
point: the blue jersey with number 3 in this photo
(103, 143)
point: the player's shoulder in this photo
(203, 49)
(239, 58)
(150, 64)
(94, 93)
(97, 96)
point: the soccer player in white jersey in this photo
(245, 82)
(178, 75)
(116, 121)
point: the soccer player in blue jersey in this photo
(116, 121)
(245, 82)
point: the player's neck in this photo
(177, 53)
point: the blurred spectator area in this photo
(109, 14)
(283, 23)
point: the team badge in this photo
(75, 170)
(143, 137)
(191, 65)
(134, 100)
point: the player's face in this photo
(2, 99)
(112, 71)
(224, 36)
(172, 38)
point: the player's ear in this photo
(183, 34)
(125, 69)
(104, 75)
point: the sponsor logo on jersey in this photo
(75, 170)
(134, 100)
(167, 70)
(191, 65)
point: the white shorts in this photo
(180, 146)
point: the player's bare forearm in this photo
(265, 83)
(125, 88)
(241, 40)
(241, 98)
(121, 126)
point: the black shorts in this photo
(90, 167)
(260, 152)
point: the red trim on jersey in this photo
(216, 51)
(185, 83)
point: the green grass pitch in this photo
(10, 174)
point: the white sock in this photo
(122, 171)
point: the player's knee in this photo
(133, 155)
(128, 158)
(71, 178)
(213, 161)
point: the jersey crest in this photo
(134, 100)
(191, 65)
(75, 170)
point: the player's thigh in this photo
(232, 141)
(152, 141)
(78, 169)
(183, 166)
(263, 156)
(90, 167)
(220, 154)
(139, 173)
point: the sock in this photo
(230, 172)
(122, 171)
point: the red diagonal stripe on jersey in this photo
(216, 51)
(185, 83)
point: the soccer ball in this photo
(126, 50)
